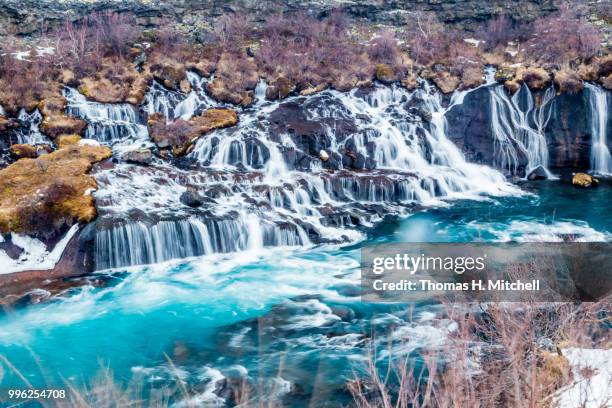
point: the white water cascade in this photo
(31, 133)
(601, 160)
(518, 125)
(263, 184)
(107, 122)
(174, 105)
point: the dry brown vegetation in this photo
(104, 56)
(503, 354)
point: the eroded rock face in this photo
(567, 132)
(25, 16)
(40, 196)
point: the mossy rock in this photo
(63, 141)
(54, 125)
(568, 81)
(39, 196)
(180, 134)
(384, 73)
(534, 77)
(20, 151)
(280, 88)
(584, 180)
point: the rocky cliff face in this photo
(25, 17)
(566, 128)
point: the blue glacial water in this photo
(288, 320)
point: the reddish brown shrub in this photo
(500, 30)
(82, 45)
(310, 53)
(563, 37)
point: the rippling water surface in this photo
(289, 320)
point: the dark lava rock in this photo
(138, 156)
(191, 198)
(539, 173)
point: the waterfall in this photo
(414, 146)
(30, 132)
(518, 128)
(138, 243)
(174, 105)
(263, 185)
(601, 161)
(107, 122)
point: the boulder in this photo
(20, 151)
(584, 180)
(138, 156)
(40, 196)
(55, 124)
(280, 88)
(323, 156)
(169, 73)
(191, 198)
(539, 173)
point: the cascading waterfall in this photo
(107, 122)
(518, 127)
(31, 133)
(601, 161)
(265, 187)
(174, 105)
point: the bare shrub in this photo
(501, 354)
(383, 48)
(24, 80)
(312, 52)
(500, 30)
(82, 45)
(232, 31)
(563, 37)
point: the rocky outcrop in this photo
(43, 195)
(138, 156)
(27, 16)
(181, 134)
(568, 133)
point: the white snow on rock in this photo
(592, 386)
(35, 255)
(88, 142)
(472, 41)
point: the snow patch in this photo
(592, 370)
(35, 255)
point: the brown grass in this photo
(496, 357)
